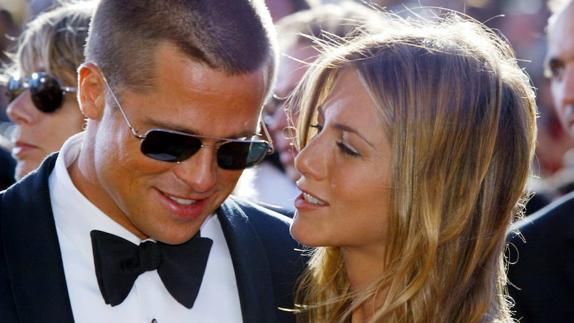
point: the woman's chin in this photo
(305, 237)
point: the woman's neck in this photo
(364, 267)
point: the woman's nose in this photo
(312, 160)
(22, 109)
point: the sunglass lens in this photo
(14, 88)
(168, 146)
(46, 92)
(237, 155)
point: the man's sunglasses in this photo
(46, 91)
(174, 146)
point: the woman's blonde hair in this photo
(54, 41)
(460, 117)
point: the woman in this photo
(415, 151)
(41, 87)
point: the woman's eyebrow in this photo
(347, 128)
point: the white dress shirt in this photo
(75, 216)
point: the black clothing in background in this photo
(7, 167)
(541, 280)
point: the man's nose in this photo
(200, 170)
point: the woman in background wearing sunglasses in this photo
(416, 145)
(41, 85)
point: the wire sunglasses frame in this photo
(174, 146)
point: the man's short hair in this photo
(233, 36)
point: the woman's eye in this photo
(347, 150)
(315, 130)
(317, 126)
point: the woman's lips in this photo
(22, 149)
(307, 201)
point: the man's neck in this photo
(83, 175)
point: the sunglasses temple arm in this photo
(268, 135)
(132, 129)
(69, 89)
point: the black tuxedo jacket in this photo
(542, 278)
(32, 283)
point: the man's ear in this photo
(91, 91)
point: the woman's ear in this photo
(91, 91)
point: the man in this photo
(542, 279)
(131, 221)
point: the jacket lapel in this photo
(32, 250)
(250, 263)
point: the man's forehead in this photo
(561, 23)
(560, 40)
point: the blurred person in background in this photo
(8, 29)
(13, 15)
(300, 35)
(282, 8)
(542, 276)
(41, 85)
(8, 32)
(416, 146)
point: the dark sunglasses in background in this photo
(174, 146)
(46, 91)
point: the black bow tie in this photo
(119, 262)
